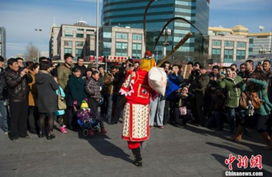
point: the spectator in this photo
(93, 90)
(108, 82)
(20, 62)
(46, 99)
(64, 71)
(75, 95)
(242, 72)
(88, 73)
(231, 85)
(33, 69)
(3, 102)
(17, 84)
(81, 66)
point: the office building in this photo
(77, 39)
(3, 42)
(130, 13)
(122, 42)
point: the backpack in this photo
(250, 96)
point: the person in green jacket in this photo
(259, 80)
(231, 83)
(75, 95)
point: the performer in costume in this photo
(136, 112)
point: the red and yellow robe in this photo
(136, 112)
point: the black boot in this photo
(50, 135)
(138, 158)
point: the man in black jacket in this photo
(17, 84)
(3, 108)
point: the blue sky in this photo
(21, 17)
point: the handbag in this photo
(61, 102)
(183, 110)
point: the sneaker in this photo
(103, 131)
(63, 129)
(91, 132)
(6, 132)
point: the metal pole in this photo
(97, 33)
(270, 42)
(145, 13)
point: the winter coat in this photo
(176, 79)
(233, 90)
(200, 84)
(108, 83)
(93, 89)
(46, 92)
(2, 84)
(75, 90)
(17, 86)
(32, 97)
(266, 106)
(61, 93)
(64, 72)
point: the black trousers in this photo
(18, 118)
(94, 107)
(32, 118)
(119, 102)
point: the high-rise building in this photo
(3, 42)
(77, 39)
(122, 42)
(131, 13)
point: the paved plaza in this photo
(171, 152)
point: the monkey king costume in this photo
(136, 112)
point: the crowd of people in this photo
(218, 98)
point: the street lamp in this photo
(145, 13)
(38, 53)
(166, 33)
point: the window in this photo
(68, 43)
(107, 45)
(251, 41)
(228, 55)
(106, 34)
(229, 43)
(80, 29)
(79, 44)
(121, 49)
(240, 54)
(90, 30)
(136, 37)
(68, 50)
(137, 50)
(68, 34)
(216, 43)
(216, 53)
(121, 36)
(241, 44)
(79, 53)
(80, 35)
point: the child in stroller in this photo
(88, 122)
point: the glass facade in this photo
(216, 53)
(229, 43)
(137, 50)
(130, 13)
(240, 54)
(228, 55)
(121, 49)
(216, 43)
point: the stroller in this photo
(87, 121)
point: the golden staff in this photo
(181, 42)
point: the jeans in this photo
(3, 116)
(231, 118)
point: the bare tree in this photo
(32, 53)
